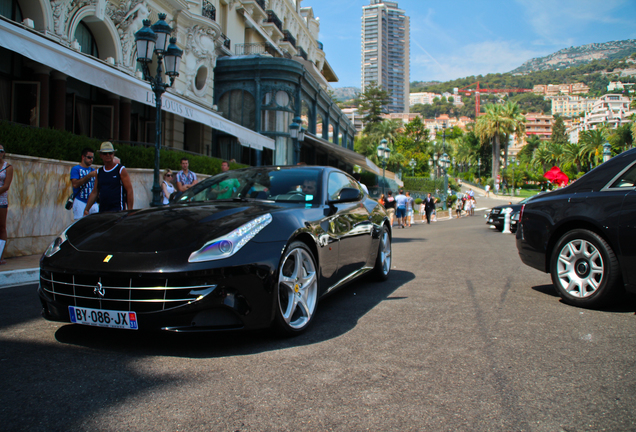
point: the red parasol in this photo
(555, 175)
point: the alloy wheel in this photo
(580, 268)
(297, 288)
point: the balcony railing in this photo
(226, 41)
(289, 38)
(273, 18)
(208, 11)
(255, 49)
(302, 53)
(261, 3)
(319, 45)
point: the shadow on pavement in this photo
(624, 304)
(336, 315)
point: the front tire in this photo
(382, 266)
(584, 269)
(297, 290)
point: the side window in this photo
(337, 181)
(627, 180)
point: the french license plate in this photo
(103, 318)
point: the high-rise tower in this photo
(386, 50)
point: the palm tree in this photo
(593, 141)
(573, 155)
(542, 156)
(556, 150)
(517, 123)
(493, 125)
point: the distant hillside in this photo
(346, 93)
(577, 56)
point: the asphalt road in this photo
(463, 337)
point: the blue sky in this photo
(458, 38)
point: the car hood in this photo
(164, 228)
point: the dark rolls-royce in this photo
(497, 215)
(584, 235)
(244, 249)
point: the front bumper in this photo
(235, 296)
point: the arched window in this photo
(86, 40)
(239, 106)
(11, 9)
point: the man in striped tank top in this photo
(112, 185)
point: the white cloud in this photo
(554, 21)
(473, 59)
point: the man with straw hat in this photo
(112, 185)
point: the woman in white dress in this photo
(166, 186)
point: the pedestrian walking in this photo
(389, 205)
(186, 178)
(458, 208)
(488, 190)
(6, 177)
(381, 199)
(112, 185)
(83, 181)
(429, 207)
(410, 203)
(400, 211)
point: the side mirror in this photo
(347, 195)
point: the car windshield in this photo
(271, 184)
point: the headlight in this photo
(228, 245)
(56, 245)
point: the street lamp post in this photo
(150, 41)
(383, 154)
(297, 133)
(445, 164)
(607, 151)
(479, 169)
(413, 164)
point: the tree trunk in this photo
(495, 158)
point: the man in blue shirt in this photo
(186, 178)
(400, 211)
(83, 180)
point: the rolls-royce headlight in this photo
(56, 244)
(228, 245)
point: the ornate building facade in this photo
(71, 65)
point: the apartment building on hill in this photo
(386, 51)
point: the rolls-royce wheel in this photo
(584, 269)
(297, 290)
(383, 260)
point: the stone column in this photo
(58, 93)
(113, 100)
(125, 107)
(42, 74)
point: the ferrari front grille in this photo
(139, 294)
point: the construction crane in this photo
(469, 92)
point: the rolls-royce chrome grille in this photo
(139, 294)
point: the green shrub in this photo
(418, 201)
(62, 145)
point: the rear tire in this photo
(584, 269)
(383, 260)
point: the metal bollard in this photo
(506, 228)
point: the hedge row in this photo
(62, 145)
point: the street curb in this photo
(19, 277)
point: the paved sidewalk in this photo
(20, 270)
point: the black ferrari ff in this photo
(244, 249)
(584, 235)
